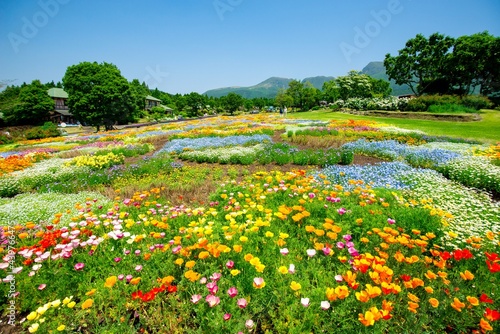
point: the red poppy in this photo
(492, 256)
(485, 299)
(149, 296)
(491, 315)
(172, 289)
(493, 267)
(137, 295)
(445, 255)
(405, 277)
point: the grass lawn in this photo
(486, 130)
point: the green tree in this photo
(310, 96)
(296, 91)
(283, 99)
(9, 100)
(139, 92)
(179, 102)
(422, 64)
(98, 94)
(195, 102)
(232, 102)
(33, 107)
(380, 87)
(354, 84)
(330, 91)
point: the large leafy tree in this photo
(32, 107)
(283, 99)
(196, 102)
(423, 64)
(98, 94)
(296, 91)
(354, 84)
(232, 102)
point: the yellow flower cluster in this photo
(97, 161)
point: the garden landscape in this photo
(254, 223)
(137, 197)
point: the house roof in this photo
(166, 108)
(152, 98)
(64, 112)
(58, 92)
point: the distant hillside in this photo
(270, 87)
(267, 88)
(376, 69)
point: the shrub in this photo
(476, 102)
(47, 130)
(346, 157)
(450, 108)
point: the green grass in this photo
(486, 130)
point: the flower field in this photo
(251, 224)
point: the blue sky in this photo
(180, 46)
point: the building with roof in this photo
(61, 113)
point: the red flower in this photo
(460, 254)
(137, 295)
(493, 267)
(445, 255)
(149, 296)
(492, 257)
(405, 277)
(491, 315)
(485, 299)
(172, 288)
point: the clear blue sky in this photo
(180, 46)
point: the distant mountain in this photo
(376, 69)
(267, 88)
(270, 87)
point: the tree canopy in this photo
(28, 104)
(98, 94)
(443, 65)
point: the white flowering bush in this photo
(43, 207)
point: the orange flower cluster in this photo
(19, 162)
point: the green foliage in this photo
(99, 95)
(447, 103)
(346, 157)
(48, 130)
(232, 102)
(32, 107)
(195, 102)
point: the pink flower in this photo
(311, 252)
(79, 266)
(117, 259)
(242, 303)
(137, 252)
(284, 251)
(327, 251)
(215, 277)
(341, 211)
(232, 292)
(203, 280)
(195, 298)
(340, 245)
(212, 300)
(249, 324)
(291, 269)
(325, 305)
(347, 237)
(227, 316)
(42, 286)
(312, 195)
(230, 264)
(304, 302)
(258, 282)
(212, 287)
(338, 278)
(391, 221)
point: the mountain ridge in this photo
(271, 86)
